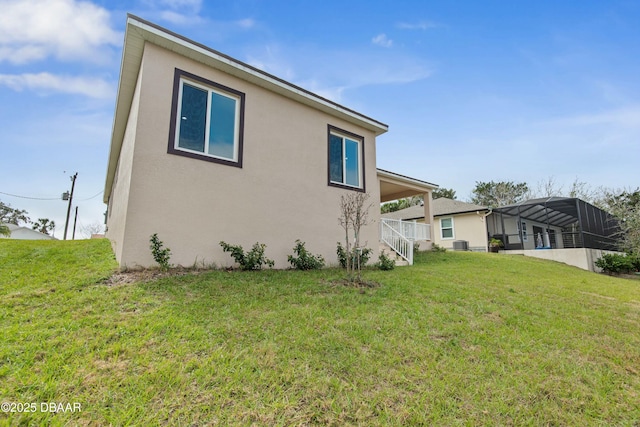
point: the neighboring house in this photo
(562, 229)
(26, 233)
(454, 221)
(206, 148)
(554, 223)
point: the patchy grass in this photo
(457, 339)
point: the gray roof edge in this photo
(405, 177)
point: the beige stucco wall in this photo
(117, 209)
(469, 226)
(583, 258)
(279, 195)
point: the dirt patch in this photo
(147, 275)
(355, 283)
(598, 296)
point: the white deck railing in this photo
(396, 241)
(400, 235)
(409, 229)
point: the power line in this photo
(92, 197)
(50, 198)
(31, 198)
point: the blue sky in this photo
(471, 90)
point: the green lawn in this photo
(457, 339)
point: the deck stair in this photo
(388, 251)
(400, 236)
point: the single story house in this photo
(454, 222)
(564, 229)
(25, 233)
(206, 148)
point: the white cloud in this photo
(32, 30)
(178, 12)
(422, 25)
(246, 23)
(44, 83)
(625, 117)
(181, 5)
(382, 40)
(315, 70)
(180, 19)
(270, 59)
(333, 93)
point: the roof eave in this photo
(406, 179)
(463, 212)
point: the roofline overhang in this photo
(464, 212)
(138, 32)
(392, 176)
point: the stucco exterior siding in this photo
(279, 195)
(118, 206)
(470, 227)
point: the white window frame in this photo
(182, 77)
(344, 135)
(453, 230)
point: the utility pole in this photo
(73, 235)
(73, 184)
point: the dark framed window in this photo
(346, 159)
(207, 120)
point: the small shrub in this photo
(615, 263)
(304, 259)
(160, 254)
(252, 260)
(365, 254)
(385, 263)
(438, 248)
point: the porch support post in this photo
(520, 232)
(580, 224)
(428, 214)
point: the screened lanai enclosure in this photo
(554, 223)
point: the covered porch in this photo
(398, 235)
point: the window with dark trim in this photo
(345, 159)
(207, 120)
